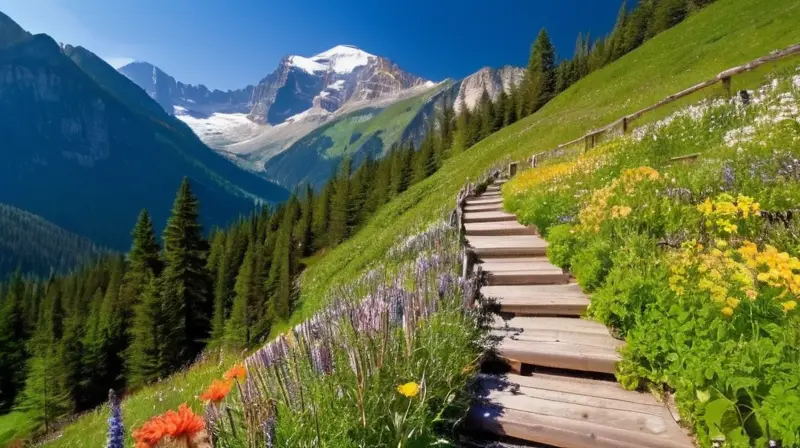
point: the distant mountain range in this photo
(297, 123)
(85, 148)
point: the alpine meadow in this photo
(351, 253)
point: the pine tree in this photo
(143, 357)
(617, 39)
(446, 122)
(94, 360)
(462, 137)
(636, 27)
(512, 106)
(539, 82)
(380, 188)
(500, 109)
(44, 398)
(304, 234)
(13, 333)
(667, 13)
(186, 282)
(485, 112)
(321, 216)
(239, 325)
(338, 228)
(113, 331)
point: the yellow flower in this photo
(727, 311)
(789, 305)
(732, 302)
(409, 390)
(706, 208)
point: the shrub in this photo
(561, 244)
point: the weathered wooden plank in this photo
(518, 263)
(508, 246)
(485, 199)
(557, 431)
(493, 216)
(498, 228)
(527, 277)
(583, 386)
(573, 412)
(483, 207)
(550, 323)
(562, 336)
(561, 355)
(553, 300)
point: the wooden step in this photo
(523, 271)
(498, 228)
(483, 207)
(494, 216)
(507, 246)
(574, 412)
(547, 300)
(484, 200)
(547, 324)
(570, 348)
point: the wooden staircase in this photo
(561, 390)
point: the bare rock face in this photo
(327, 81)
(195, 99)
(490, 79)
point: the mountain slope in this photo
(37, 246)
(84, 148)
(367, 132)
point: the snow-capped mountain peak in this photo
(343, 58)
(308, 65)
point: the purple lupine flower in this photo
(268, 427)
(322, 358)
(116, 428)
(445, 284)
(396, 299)
(728, 178)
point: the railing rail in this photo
(623, 125)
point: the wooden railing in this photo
(623, 125)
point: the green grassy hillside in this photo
(725, 34)
(360, 134)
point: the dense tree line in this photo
(35, 245)
(124, 321)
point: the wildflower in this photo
(727, 311)
(789, 305)
(409, 390)
(238, 372)
(216, 392)
(182, 426)
(116, 429)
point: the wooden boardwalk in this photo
(553, 395)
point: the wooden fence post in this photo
(512, 169)
(469, 261)
(726, 84)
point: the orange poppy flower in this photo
(174, 425)
(238, 371)
(216, 392)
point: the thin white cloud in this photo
(118, 62)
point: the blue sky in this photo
(232, 43)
